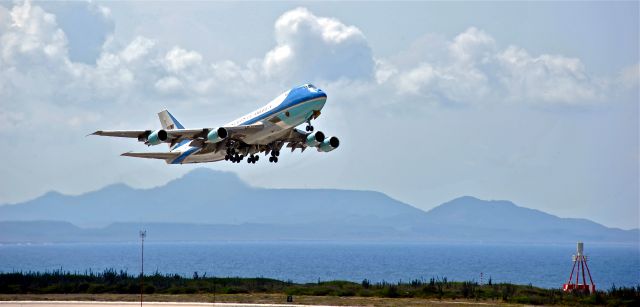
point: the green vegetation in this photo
(111, 281)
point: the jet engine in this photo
(315, 139)
(217, 135)
(156, 137)
(329, 145)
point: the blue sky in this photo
(531, 102)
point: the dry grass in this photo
(252, 298)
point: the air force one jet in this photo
(265, 130)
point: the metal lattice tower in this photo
(580, 267)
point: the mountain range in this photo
(212, 205)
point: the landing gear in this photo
(274, 149)
(309, 128)
(253, 159)
(235, 158)
(274, 156)
(231, 155)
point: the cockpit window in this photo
(310, 86)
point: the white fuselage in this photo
(290, 109)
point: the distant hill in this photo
(205, 196)
(469, 218)
(212, 205)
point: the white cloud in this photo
(137, 49)
(630, 76)
(86, 26)
(169, 85)
(384, 71)
(458, 76)
(30, 32)
(178, 59)
(473, 70)
(416, 79)
(468, 69)
(545, 78)
(472, 46)
(315, 47)
(105, 11)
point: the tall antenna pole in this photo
(143, 234)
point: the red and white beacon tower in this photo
(579, 265)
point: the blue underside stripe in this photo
(180, 144)
(184, 155)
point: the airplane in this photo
(265, 130)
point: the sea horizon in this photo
(542, 265)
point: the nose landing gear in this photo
(309, 128)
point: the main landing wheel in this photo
(252, 159)
(309, 128)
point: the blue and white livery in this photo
(266, 130)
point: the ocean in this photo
(546, 266)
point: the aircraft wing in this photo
(296, 139)
(182, 134)
(234, 132)
(152, 155)
(122, 133)
(245, 128)
(296, 136)
(187, 133)
(174, 134)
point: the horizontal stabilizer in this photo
(152, 155)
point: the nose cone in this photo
(316, 93)
(319, 94)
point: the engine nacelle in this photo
(217, 135)
(329, 145)
(315, 139)
(157, 137)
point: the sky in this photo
(533, 102)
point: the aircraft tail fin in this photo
(169, 122)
